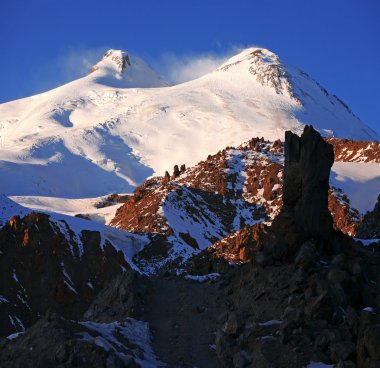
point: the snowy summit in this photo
(112, 126)
(116, 65)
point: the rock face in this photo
(369, 228)
(308, 160)
(347, 150)
(58, 342)
(344, 216)
(312, 306)
(225, 188)
(45, 267)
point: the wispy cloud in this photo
(71, 64)
(77, 62)
(179, 68)
(173, 67)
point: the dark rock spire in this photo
(305, 214)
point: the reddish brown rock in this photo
(141, 212)
(166, 179)
(347, 150)
(15, 223)
(214, 183)
(176, 172)
(345, 218)
(277, 145)
(241, 245)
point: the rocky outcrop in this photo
(45, 266)
(210, 195)
(229, 185)
(240, 246)
(141, 212)
(269, 71)
(176, 172)
(308, 309)
(166, 179)
(347, 150)
(290, 298)
(319, 305)
(112, 199)
(304, 214)
(369, 227)
(345, 217)
(118, 57)
(55, 341)
(307, 208)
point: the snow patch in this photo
(319, 365)
(14, 335)
(203, 278)
(270, 323)
(3, 300)
(360, 181)
(136, 332)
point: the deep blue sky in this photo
(336, 41)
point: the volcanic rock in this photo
(305, 214)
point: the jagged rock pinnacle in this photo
(308, 160)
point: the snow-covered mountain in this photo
(109, 131)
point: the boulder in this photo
(307, 255)
(232, 325)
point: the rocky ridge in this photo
(305, 293)
(268, 70)
(107, 124)
(224, 195)
(348, 150)
(46, 267)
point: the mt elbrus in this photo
(229, 221)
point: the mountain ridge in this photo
(295, 294)
(121, 136)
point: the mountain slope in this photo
(217, 202)
(308, 297)
(111, 127)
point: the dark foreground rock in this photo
(369, 227)
(309, 294)
(44, 266)
(304, 214)
(57, 342)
